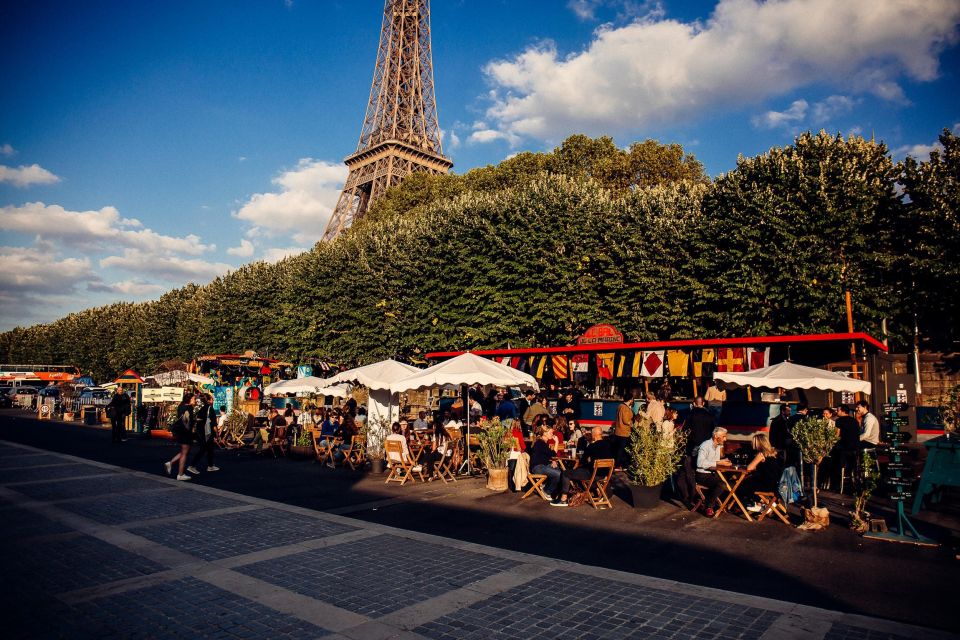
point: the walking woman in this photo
(204, 423)
(182, 430)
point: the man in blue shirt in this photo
(506, 410)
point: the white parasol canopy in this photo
(376, 376)
(467, 368)
(308, 384)
(795, 376)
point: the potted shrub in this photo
(653, 457)
(949, 409)
(376, 431)
(862, 492)
(815, 437)
(494, 451)
(302, 446)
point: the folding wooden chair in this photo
(596, 486)
(452, 456)
(325, 448)
(279, 441)
(536, 484)
(401, 469)
(356, 455)
(771, 505)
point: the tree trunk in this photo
(815, 485)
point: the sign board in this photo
(898, 451)
(898, 421)
(162, 394)
(45, 410)
(899, 482)
(889, 407)
(898, 436)
(597, 409)
(899, 466)
(905, 495)
(601, 334)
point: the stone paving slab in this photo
(562, 604)
(223, 536)
(28, 460)
(378, 575)
(188, 608)
(117, 509)
(89, 487)
(265, 570)
(9, 476)
(72, 563)
(18, 524)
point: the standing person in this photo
(849, 445)
(506, 410)
(780, 430)
(622, 428)
(522, 405)
(118, 409)
(537, 408)
(655, 408)
(568, 407)
(700, 424)
(182, 429)
(869, 426)
(204, 423)
(715, 397)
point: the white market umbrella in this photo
(789, 375)
(307, 384)
(467, 369)
(377, 378)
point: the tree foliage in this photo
(536, 249)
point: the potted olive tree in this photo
(863, 489)
(375, 430)
(815, 437)
(653, 456)
(494, 451)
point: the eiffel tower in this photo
(400, 133)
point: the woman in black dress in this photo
(765, 470)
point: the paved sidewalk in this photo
(93, 550)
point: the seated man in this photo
(421, 424)
(543, 461)
(710, 456)
(598, 449)
(274, 420)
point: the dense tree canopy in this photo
(533, 251)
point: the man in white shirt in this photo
(710, 456)
(655, 408)
(869, 426)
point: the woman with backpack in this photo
(182, 431)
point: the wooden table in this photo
(726, 475)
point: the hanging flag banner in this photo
(621, 362)
(758, 358)
(561, 368)
(581, 363)
(652, 364)
(605, 366)
(515, 362)
(541, 365)
(635, 364)
(730, 360)
(304, 371)
(678, 363)
(703, 362)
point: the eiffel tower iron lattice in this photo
(401, 133)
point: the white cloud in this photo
(490, 135)
(100, 229)
(276, 254)
(800, 113)
(302, 206)
(245, 250)
(7, 150)
(662, 71)
(165, 267)
(24, 176)
(918, 151)
(36, 271)
(134, 287)
(587, 9)
(795, 114)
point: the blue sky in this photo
(146, 145)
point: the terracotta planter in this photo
(68, 416)
(644, 497)
(301, 452)
(497, 479)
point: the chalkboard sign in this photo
(900, 497)
(890, 407)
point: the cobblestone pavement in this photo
(94, 551)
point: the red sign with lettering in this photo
(601, 334)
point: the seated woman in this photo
(436, 452)
(397, 436)
(543, 461)
(765, 471)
